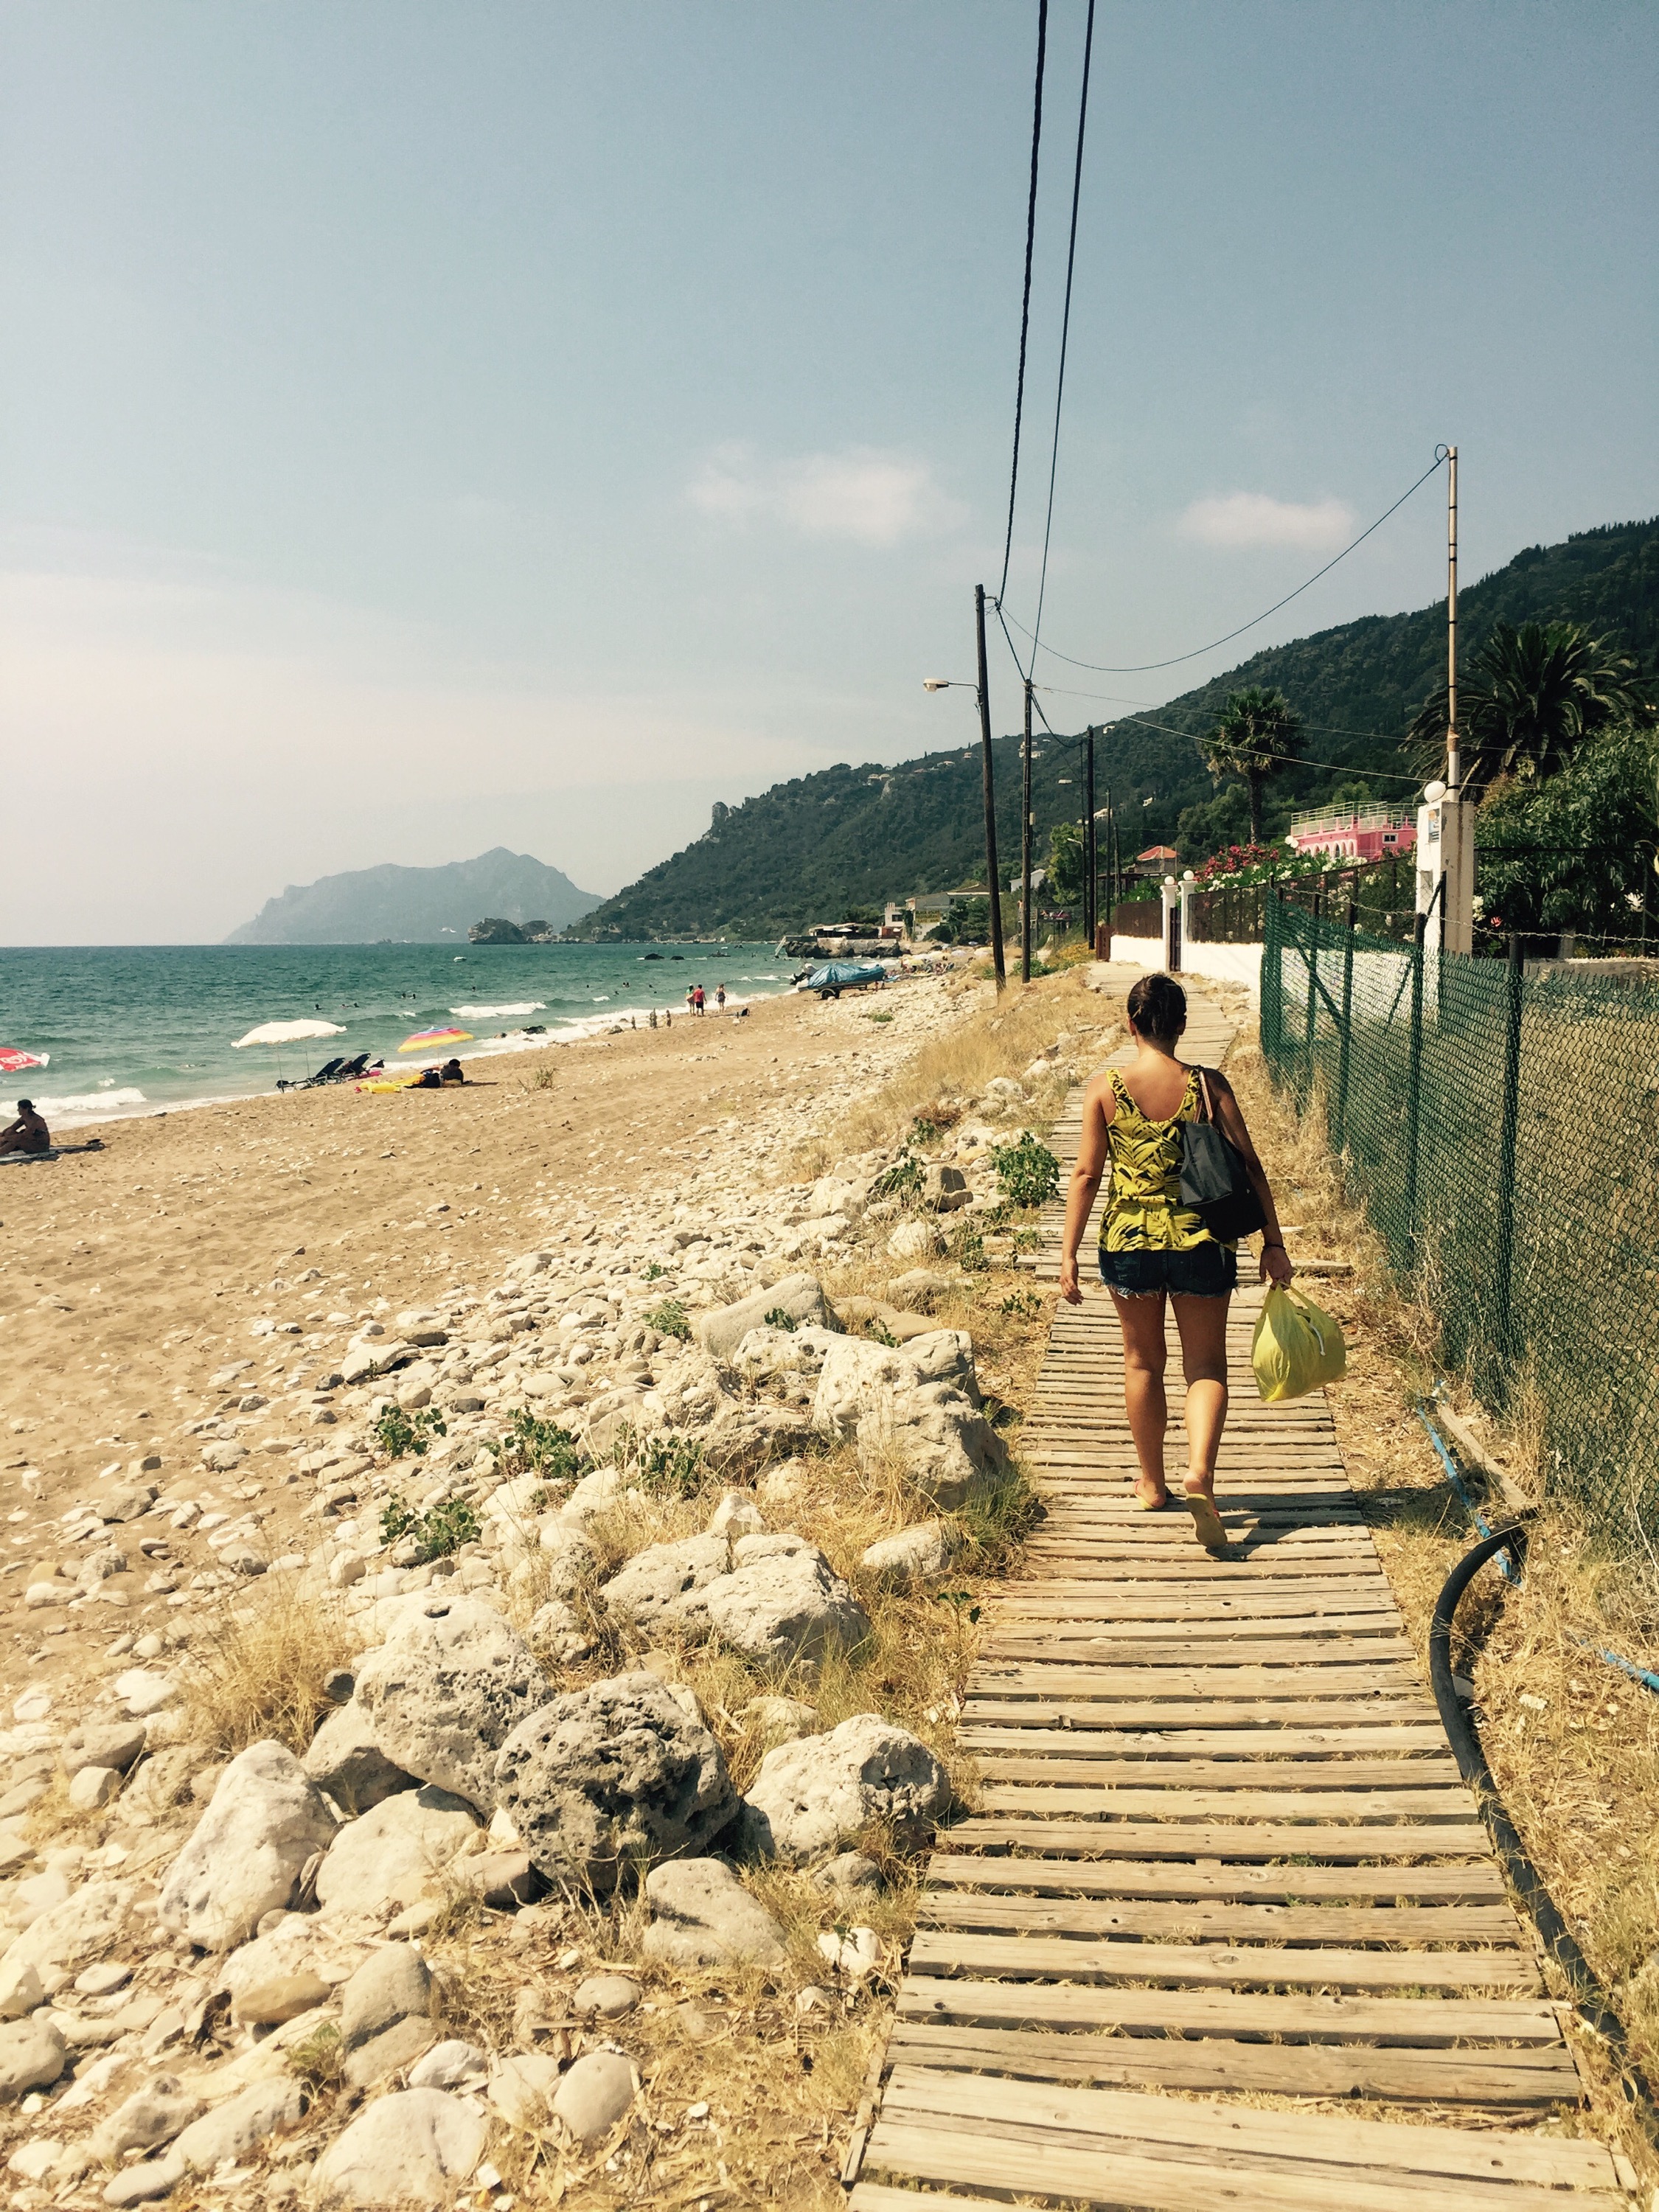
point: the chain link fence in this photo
(1502, 1129)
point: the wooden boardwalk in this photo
(1222, 1860)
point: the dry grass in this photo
(1573, 1744)
(258, 1671)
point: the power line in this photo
(1025, 302)
(1292, 760)
(1324, 729)
(1144, 667)
(1065, 320)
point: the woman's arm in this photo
(1275, 1259)
(1097, 1107)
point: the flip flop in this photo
(1206, 1522)
(1150, 1504)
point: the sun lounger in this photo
(349, 1070)
(325, 1073)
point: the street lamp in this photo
(982, 690)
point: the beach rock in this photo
(20, 1987)
(741, 1440)
(144, 1692)
(75, 1931)
(521, 2088)
(800, 1296)
(393, 2050)
(737, 1514)
(606, 1996)
(595, 2093)
(390, 1985)
(703, 1916)
(229, 2131)
(449, 2066)
(153, 2115)
(919, 1404)
(813, 1797)
(920, 1289)
(645, 1593)
(914, 1553)
(781, 1720)
(414, 2147)
(916, 1240)
(266, 1819)
(768, 1355)
(33, 2054)
(553, 1628)
(444, 1691)
(114, 1744)
(615, 1772)
(597, 1492)
(567, 1557)
(283, 1998)
(127, 1501)
(848, 1874)
(945, 1189)
(503, 1880)
(781, 1487)
(395, 1853)
(93, 1788)
(783, 1602)
(345, 1759)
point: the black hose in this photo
(1591, 2001)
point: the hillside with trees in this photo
(847, 836)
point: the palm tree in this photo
(1531, 696)
(1255, 735)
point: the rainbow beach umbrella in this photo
(426, 1040)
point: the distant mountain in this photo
(807, 850)
(416, 906)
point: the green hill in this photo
(806, 850)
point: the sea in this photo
(132, 1029)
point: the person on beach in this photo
(719, 998)
(1152, 1248)
(451, 1073)
(698, 1002)
(27, 1134)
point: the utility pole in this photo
(990, 789)
(1445, 823)
(1025, 845)
(1453, 764)
(1090, 881)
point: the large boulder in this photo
(913, 1554)
(32, 2055)
(72, 1932)
(414, 2147)
(645, 1593)
(391, 1984)
(445, 1690)
(396, 1853)
(615, 1772)
(266, 1819)
(703, 1916)
(741, 1440)
(917, 1403)
(812, 1798)
(800, 1296)
(345, 1759)
(772, 1355)
(783, 1602)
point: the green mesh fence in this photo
(1501, 1130)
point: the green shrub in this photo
(1023, 1305)
(903, 1180)
(654, 1272)
(778, 1319)
(533, 1446)
(1027, 1171)
(401, 1435)
(450, 1524)
(669, 1467)
(970, 1251)
(924, 1131)
(671, 1319)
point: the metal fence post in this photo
(1313, 997)
(1508, 1129)
(1414, 1084)
(1339, 1121)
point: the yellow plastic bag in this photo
(1297, 1347)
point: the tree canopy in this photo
(1532, 695)
(1256, 735)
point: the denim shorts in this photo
(1208, 1271)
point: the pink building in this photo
(1353, 833)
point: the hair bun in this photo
(1157, 1007)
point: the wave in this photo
(494, 1013)
(89, 1101)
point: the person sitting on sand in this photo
(451, 1073)
(27, 1134)
(428, 1079)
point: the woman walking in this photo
(1152, 1247)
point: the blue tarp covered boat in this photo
(837, 975)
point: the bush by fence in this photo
(1503, 1132)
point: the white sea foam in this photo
(495, 1013)
(89, 1101)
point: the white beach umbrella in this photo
(289, 1033)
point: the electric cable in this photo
(1025, 302)
(1064, 322)
(1324, 729)
(1143, 667)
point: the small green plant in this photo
(319, 2061)
(449, 1525)
(903, 1180)
(654, 1272)
(778, 1319)
(970, 1251)
(670, 1466)
(878, 1018)
(961, 1600)
(533, 1446)
(1021, 1305)
(402, 1435)
(878, 1332)
(924, 1131)
(1027, 1171)
(671, 1319)
(1028, 1240)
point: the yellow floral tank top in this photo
(1143, 1211)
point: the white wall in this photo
(1228, 963)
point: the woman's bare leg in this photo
(1203, 1325)
(1145, 1352)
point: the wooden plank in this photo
(1493, 1925)
(1250, 1840)
(1475, 1884)
(1490, 2155)
(1111, 1803)
(1385, 1657)
(1420, 2023)
(1027, 1957)
(1013, 1701)
(1400, 1739)
(1245, 1774)
(1523, 2080)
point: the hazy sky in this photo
(428, 427)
